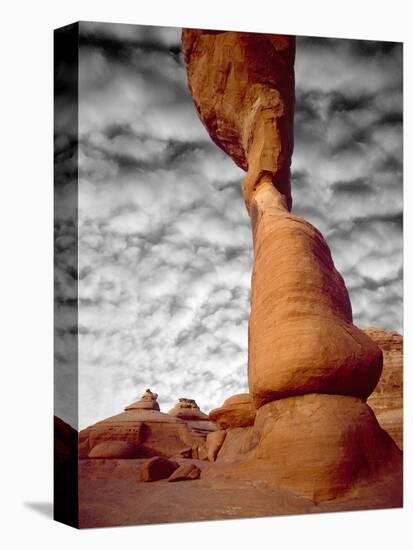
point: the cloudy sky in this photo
(164, 239)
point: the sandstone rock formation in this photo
(316, 445)
(198, 422)
(237, 411)
(157, 468)
(242, 85)
(309, 368)
(387, 399)
(115, 449)
(301, 336)
(187, 409)
(214, 443)
(148, 401)
(306, 434)
(336, 441)
(151, 432)
(185, 472)
(237, 443)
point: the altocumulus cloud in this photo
(347, 165)
(164, 240)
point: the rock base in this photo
(318, 446)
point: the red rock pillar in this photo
(302, 342)
(301, 336)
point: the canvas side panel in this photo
(66, 274)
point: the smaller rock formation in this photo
(199, 422)
(237, 411)
(115, 449)
(157, 468)
(151, 432)
(148, 401)
(185, 453)
(214, 443)
(185, 472)
(187, 409)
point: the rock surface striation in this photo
(237, 411)
(142, 430)
(387, 399)
(242, 85)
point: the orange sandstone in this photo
(387, 399)
(310, 369)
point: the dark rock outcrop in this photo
(65, 473)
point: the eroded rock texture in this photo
(157, 468)
(243, 88)
(301, 336)
(387, 399)
(148, 401)
(319, 446)
(187, 409)
(115, 449)
(143, 431)
(237, 411)
(310, 369)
